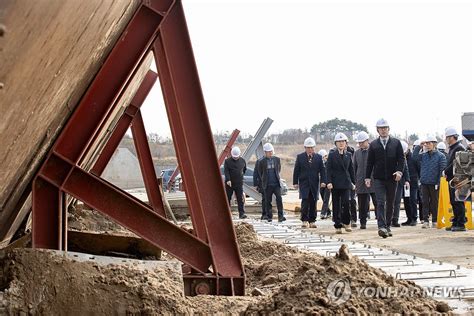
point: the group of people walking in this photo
(384, 171)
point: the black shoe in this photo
(458, 229)
(281, 219)
(412, 223)
(395, 225)
(269, 220)
(243, 216)
(383, 233)
(407, 223)
(449, 228)
(363, 226)
(389, 232)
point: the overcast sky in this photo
(303, 62)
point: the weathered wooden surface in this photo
(49, 54)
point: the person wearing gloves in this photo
(363, 192)
(308, 175)
(269, 171)
(325, 193)
(234, 170)
(442, 149)
(341, 180)
(385, 162)
(403, 185)
(432, 164)
(411, 202)
(459, 210)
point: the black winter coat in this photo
(340, 170)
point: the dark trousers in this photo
(385, 194)
(363, 199)
(340, 207)
(459, 210)
(430, 202)
(420, 204)
(325, 195)
(353, 206)
(412, 210)
(398, 201)
(308, 208)
(239, 194)
(271, 190)
(264, 203)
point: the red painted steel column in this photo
(47, 222)
(124, 123)
(194, 144)
(146, 165)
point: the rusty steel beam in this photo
(146, 165)
(124, 123)
(194, 145)
(164, 31)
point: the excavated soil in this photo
(280, 280)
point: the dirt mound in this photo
(41, 282)
(280, 279)
(297, 282)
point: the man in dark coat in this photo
(385, 162)
(308, 173)
(360, 164)
(341, 180)
(257, 183)
(352, 202)
(269, 171)
(234, 170)
(459, 210)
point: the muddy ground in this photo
(280, 280)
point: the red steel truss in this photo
(211, 257)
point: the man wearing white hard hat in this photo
(385, 162)
(308, 175)
(363, 192)
(459, 211)
(234, 170)
(324, 192)
(341, 180)
(432, 164)
(269, 171)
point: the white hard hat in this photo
(430, 138)
(417, 142)
(450, 131)
(323, 152)
(362, 137)
(340, 137)
(404, 146)
(382, 123)
(309, 142)
(268, 147)
(441, 146)
(235, 152)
